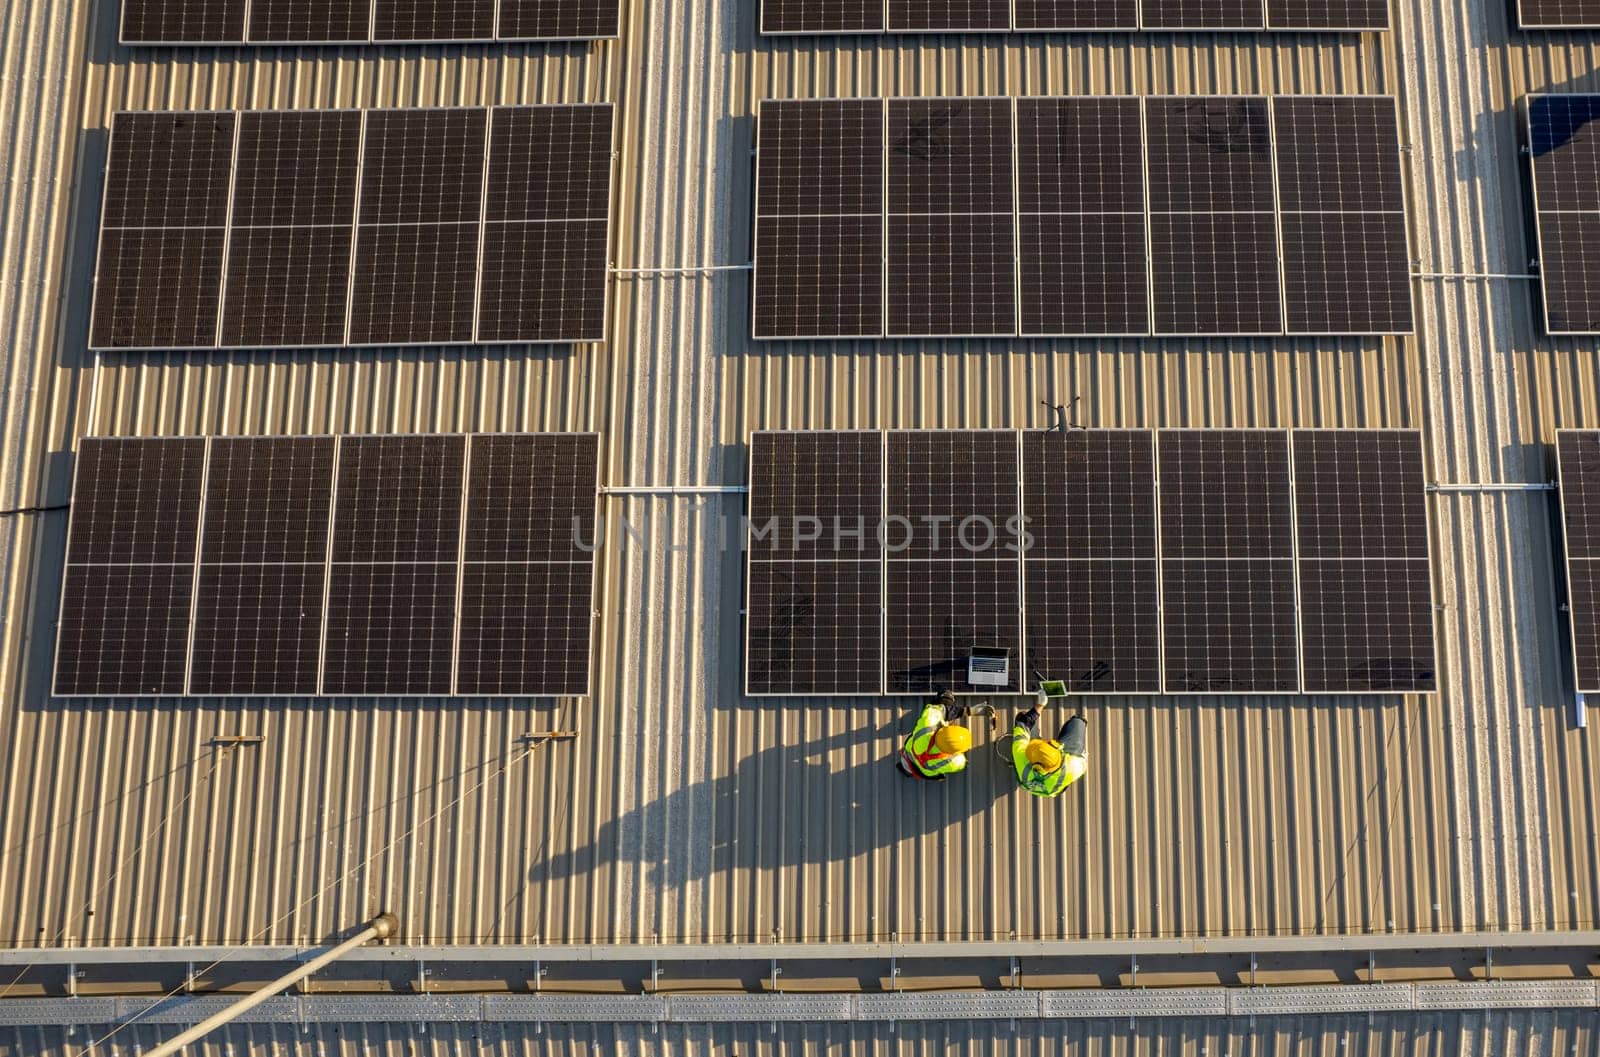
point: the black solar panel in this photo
(1089, 493)
(1227, 562)
(1578, 453)
(399, 498)
(390, 629)
(814, 627)
(124, 622)
(925, 16)
(1085, 248)
(1346, 262)
(1558, 14)
(1564, 142)
(525, 628)
(952, 494)
(938, 611)
(424, 179)
(816, 495)
(268, 500)
(1366, 588)
(363, 21)
(819, 219)
(1095, 624)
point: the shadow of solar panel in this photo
(1558, 14)
(1095, 624)
(1367, 626)
(193, 21)
(258, 630)
(123, 630)
(531, 497)
(808, 16)
(1229, 626)
(543, 281)
(414, 284)
(1202, 14)
(286, 286)
(558, 19)
(1579, 456)
(1089, 494)
(814, 627)
(399, 499)
(938, 611)
(525, 628)
(942, 16)
(827, 485)
(953, 493)
(402, 20)
(1225, 494)
(391, 629)
(136, 501)
(310, 21)
(1075, 14)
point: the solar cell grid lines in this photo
(825, 483)
(364, 21)
(1090, 494)
(995, 16)
(1578, 459)
(956, 490)
(280, 613)
(1225, 494)
(1558, 14)
(534, 180)
(1034, 217)
(1564, 149)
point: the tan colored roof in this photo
(686, 813)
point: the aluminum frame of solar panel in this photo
(1586, 20)
(866, 495)
(1587, 276)
(1580, 543)
(479, 278)
(609, 11)
(1138, 23)
(1404, 536)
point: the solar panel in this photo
(1092, 601)
(1564, 146)
(1227, 562)
(277, 611)
(129, 583)
(816, 495)
(1366, 588)
(364, 21)
(954, 16)
(473, 225)
(1056, 231)
(1578, 457)
(1558, 14)
(819, 219)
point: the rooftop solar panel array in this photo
(1578, 456)
(441, 565)
(364, 21)
(267, 229)
(1122, 561)
(1564, 146)
(1558, 14)
(1082, 216)
(1001, 16)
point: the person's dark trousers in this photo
(1074, 736)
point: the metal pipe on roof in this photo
(381, 927)
(1494, 486)
(1474, 275)
(677, 489)
(685, 270)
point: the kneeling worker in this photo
(937, 747)
(1047, 767)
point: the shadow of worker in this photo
(825, 790)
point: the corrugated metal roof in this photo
(1416, 1035)
(686, 813)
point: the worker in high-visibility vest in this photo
(937, 747)
(1046, 766)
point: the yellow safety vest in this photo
(1036, 781)
(924, 754)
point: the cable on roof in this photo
(21, 510)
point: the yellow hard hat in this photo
(1045, 755)
(953, 738)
